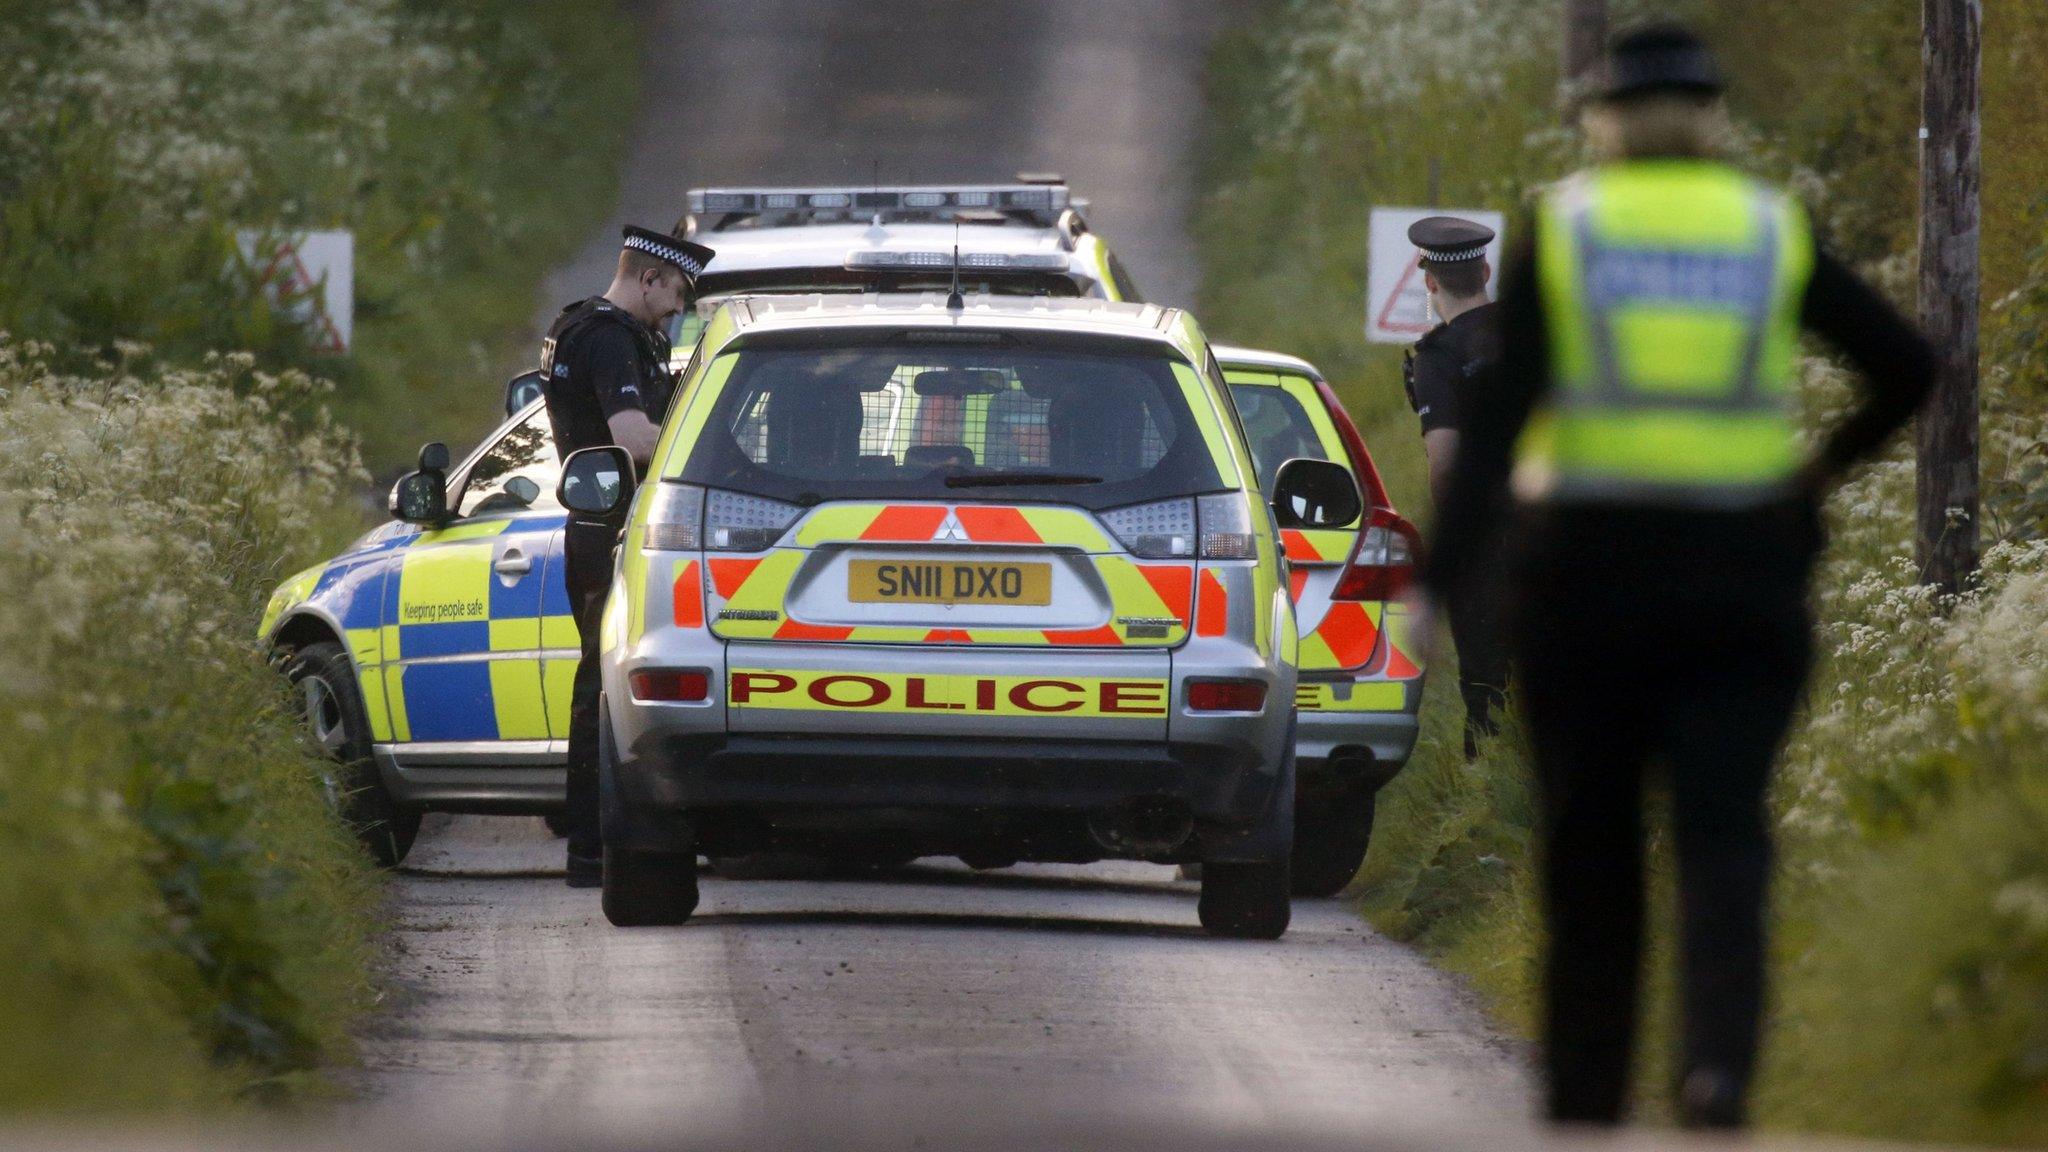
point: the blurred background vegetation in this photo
(182, 923)
(1912, 909)
(466, 144)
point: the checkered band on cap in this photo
(1452, 255)
(668, 252)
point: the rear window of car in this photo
(911, 420)
(1277, 429)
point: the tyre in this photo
(557, 822)
(1245, 901)
(331, 703)
(643, 889)
(988, 861)
(1329, 850)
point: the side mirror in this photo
(596, 482)
(1315, 494)
(421, 497)
(522, 390)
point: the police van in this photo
(991, 578)
(1361, 674)
(1028, 238)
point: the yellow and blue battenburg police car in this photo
(434, 660)
(990, 577)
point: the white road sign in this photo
(1396, 305)
(312, 275)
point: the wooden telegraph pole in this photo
(1585, 37)
(1946, 541)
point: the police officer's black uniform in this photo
(1443, 372)
(1646, 632)
(598, 361)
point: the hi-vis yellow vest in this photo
(1672, 291)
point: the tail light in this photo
(671, 685)
(686, 518)
(734, 522)
(1383, 563)
(1225, 522)
(675, 521)
(1158, 531)
(1226, 696)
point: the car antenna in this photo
(954, 301)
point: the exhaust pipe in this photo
(1152, 826)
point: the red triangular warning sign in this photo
(1385, 322)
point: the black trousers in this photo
(1478, 633)
(587, 567)
(1657, 638)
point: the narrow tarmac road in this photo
(1106, 92)
(1082, 988)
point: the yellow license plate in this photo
(948, 582)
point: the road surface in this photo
(1106, 92)
(1092, 987)
(1079, 989)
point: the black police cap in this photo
(1448, 239)
(1658, 57)
(691, 258)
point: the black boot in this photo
(586, 871)
(1712, 1098)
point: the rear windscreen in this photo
(916, 422)
(1276, 428)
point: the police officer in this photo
(1645, 405)
(1441, 373)
(607, 381)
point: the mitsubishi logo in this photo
(951, 529)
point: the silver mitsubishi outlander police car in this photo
(988, 577)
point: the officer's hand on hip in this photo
(1422, 619)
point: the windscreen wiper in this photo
(1019, 479)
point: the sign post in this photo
(310, 276)
(1397, 305)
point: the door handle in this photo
(512, 563)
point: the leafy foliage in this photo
(182, 921)
(463, 144)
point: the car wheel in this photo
(1246, 901)
(331, 703)
(557, 822)
(988, 861)
(1329, 851)
(648, 888)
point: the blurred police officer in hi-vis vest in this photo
(606, 378)
(1441, 372)
(1645, 405)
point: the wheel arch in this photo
(302, 629)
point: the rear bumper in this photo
(673, 772)
(1369, 746)
(1355, 741)
(738, 792)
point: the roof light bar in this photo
(978, 261)
(1010, 197)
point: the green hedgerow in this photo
(182, 921)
